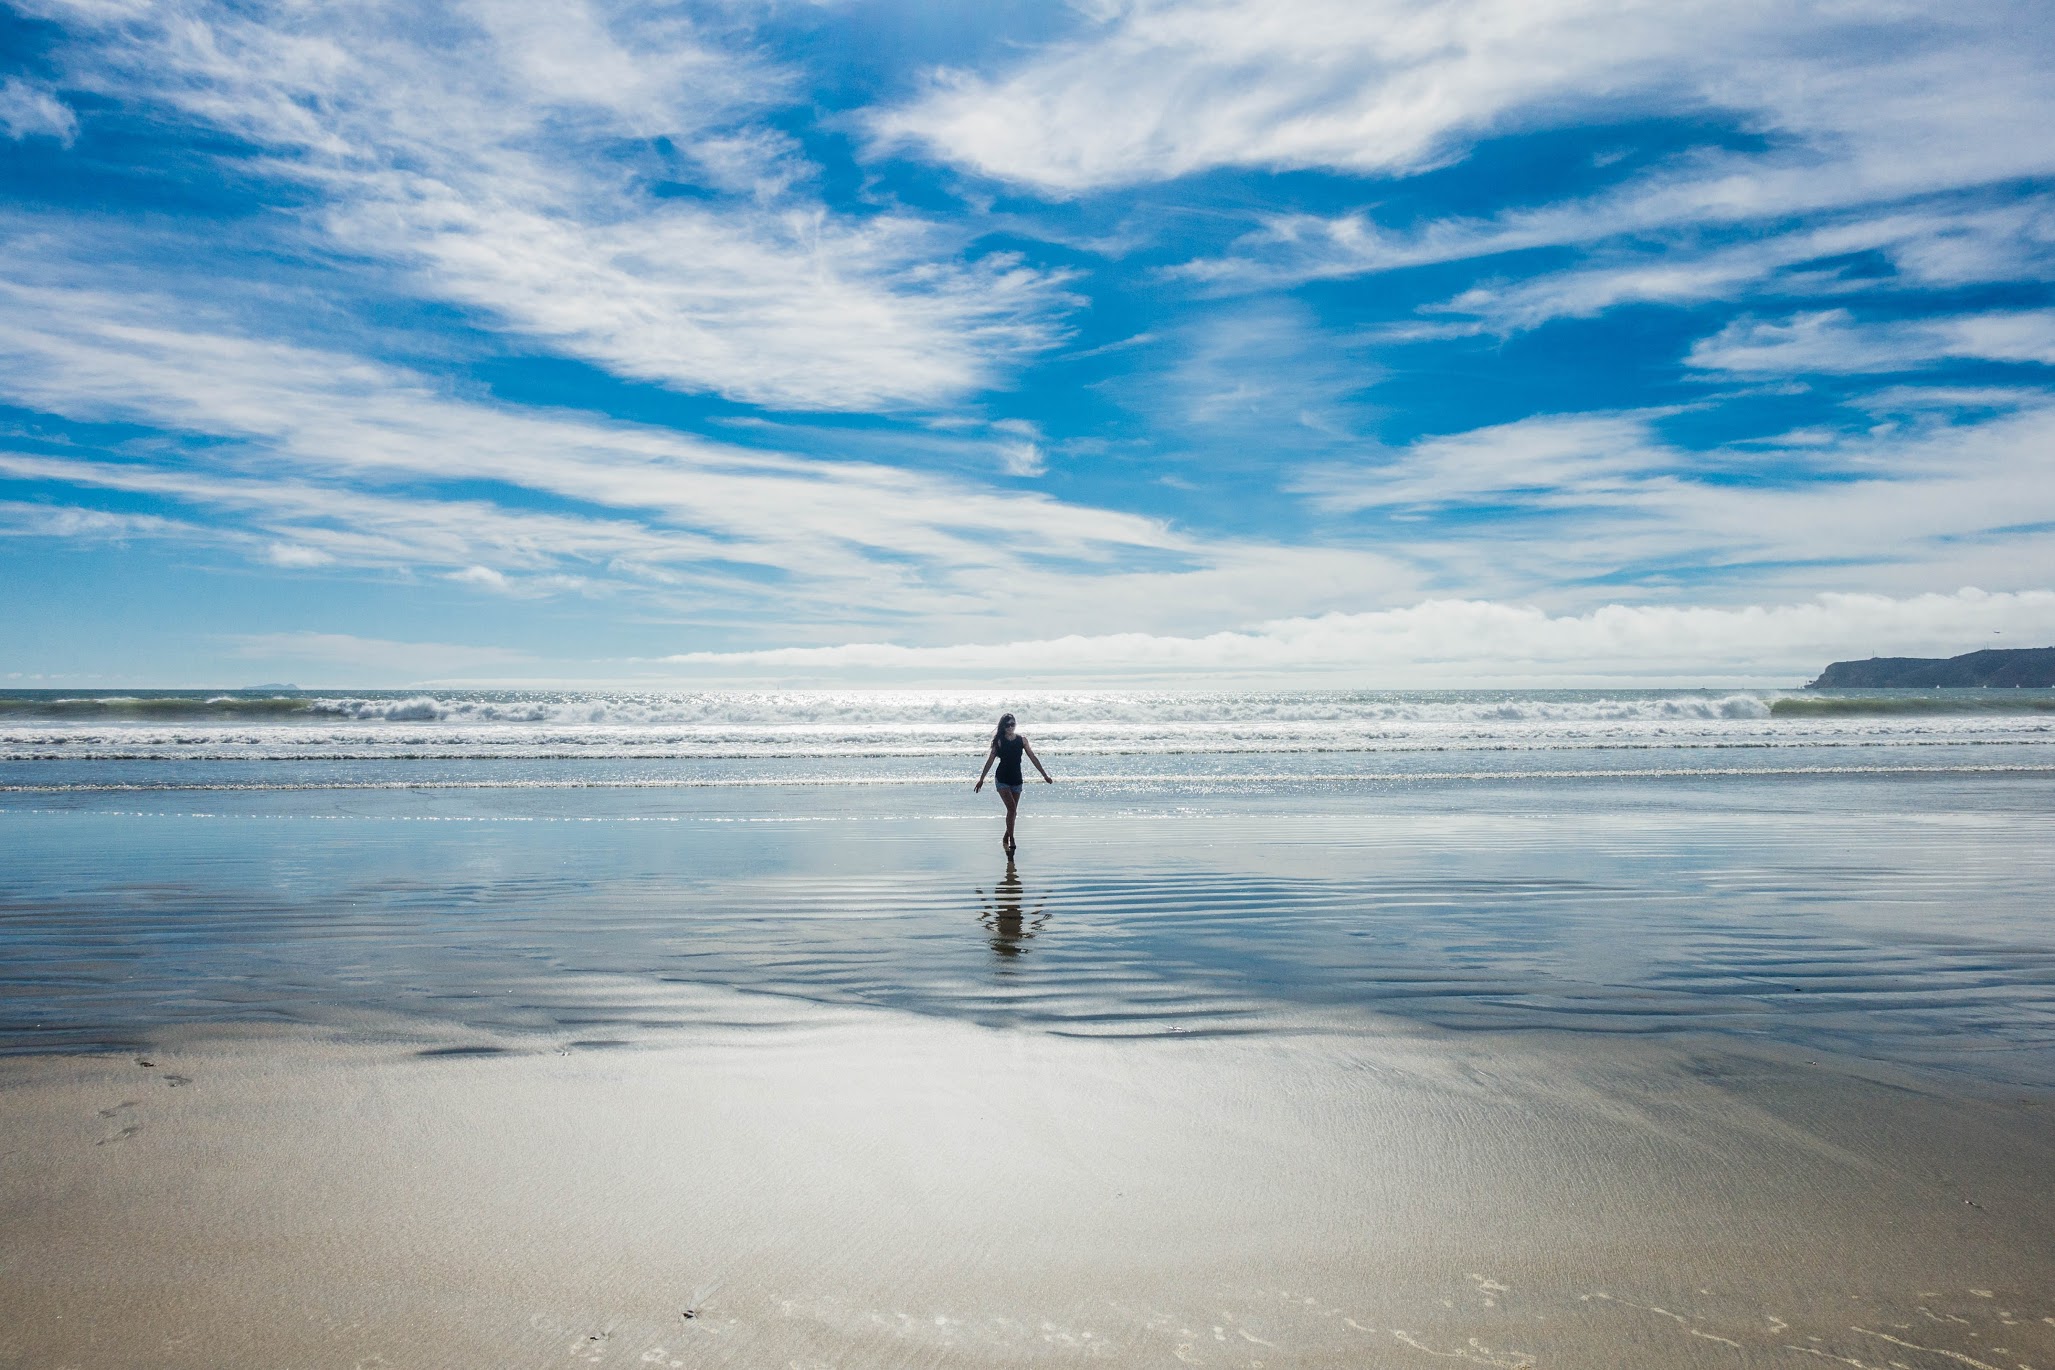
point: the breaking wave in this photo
(260, 725)
(798, 708)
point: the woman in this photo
(1006, 749)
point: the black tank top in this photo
(1009, 761)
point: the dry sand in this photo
(789, 1185)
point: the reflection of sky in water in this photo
(1902, 918)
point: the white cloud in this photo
(1924, 247)
(482, 576)
(300, 524)
(1899, 96)
(1549, 504)
(1020, 448)
(1262, 378)
(295, 556)
(21, 519)
(480, 148)
(344, 457)
(1554, 459)
(1912, 133)
(1159, 90)
(754, 541)
(1832, 341)
(29, 111)
(1446, 643)
(764, 542)
(1022, 459)
(1650, 242)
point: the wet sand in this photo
(1712, 1072)
(796, 1184)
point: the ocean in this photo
(921, 737)
(1609, 1029)
(1865, 871)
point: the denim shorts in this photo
(1005, 788)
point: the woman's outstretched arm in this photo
(1037, 760)
(991, 755)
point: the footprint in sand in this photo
(176, 1080)
(119, 1112)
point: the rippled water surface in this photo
(1895, 913)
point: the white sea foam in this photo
(1118, 780)
(798, 709)
(914, 724)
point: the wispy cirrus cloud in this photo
(29, 110)
(335, 456)
(1152, 91)
(1559, 459)
(73, 523)
(1834, 341)
(1661, 243)
(1903, 98)
(1569, 506)
(596, 177)
(1934, 247)
(1904, 132)
(299, 524)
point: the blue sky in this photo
(1377, 342)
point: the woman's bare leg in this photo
(1012, 803)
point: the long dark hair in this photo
(999, 733)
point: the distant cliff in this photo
(2031, 666)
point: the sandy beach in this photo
(799, 1185)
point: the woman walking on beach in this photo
(1006, 749)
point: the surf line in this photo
(1337, 778)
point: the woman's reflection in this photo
(1009, 925)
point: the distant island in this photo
(2028, 667)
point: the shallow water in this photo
(1895, 915)
(1587, 1029)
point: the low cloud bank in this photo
(1447, 643)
